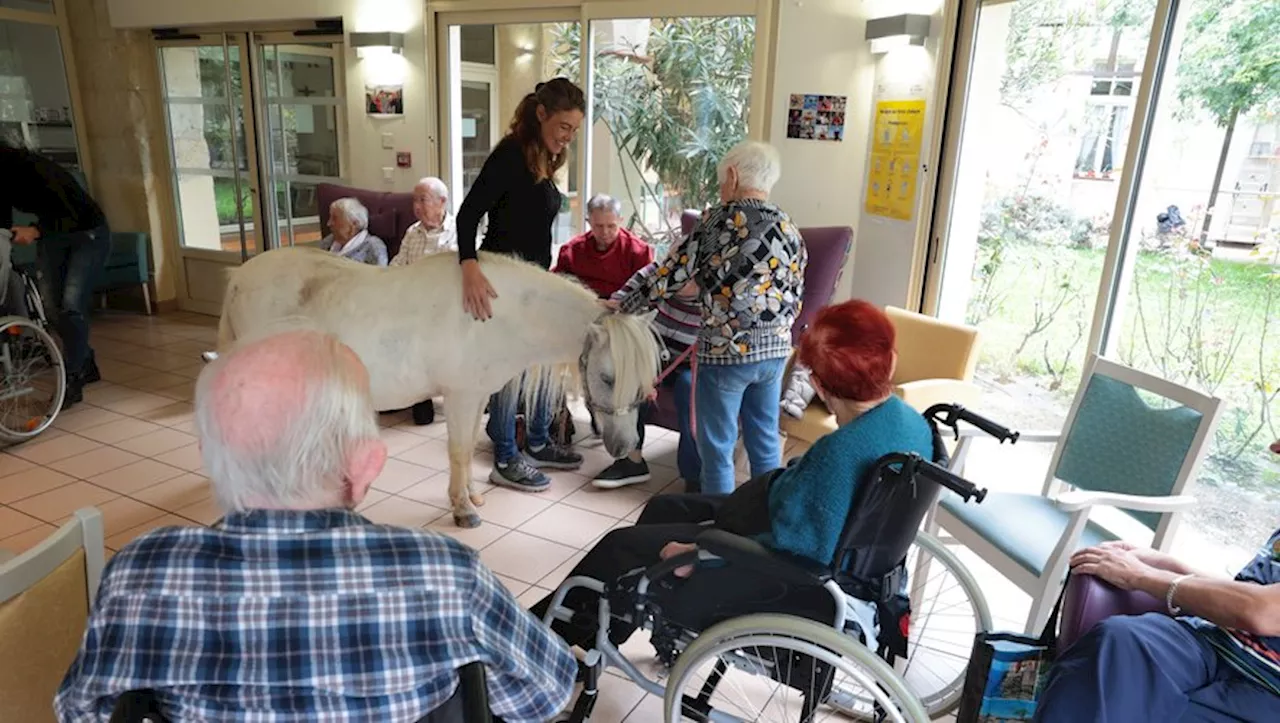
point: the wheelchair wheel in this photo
(33, 380)
(782, 668)
(947, 610)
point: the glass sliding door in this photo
(1048, 110)
(303, 109)
(214, 170)
(491, 67)
(1199, 298)
(255, 122)
(670, 95)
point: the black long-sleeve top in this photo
(521, 209)
(34, 184)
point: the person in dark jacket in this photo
(72, 243)
(517, 190)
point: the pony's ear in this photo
(598, 335)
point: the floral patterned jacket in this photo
(749, 260)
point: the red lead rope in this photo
(693, 365)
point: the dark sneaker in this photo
(74, 394)
(424, 413)
(518, 474)
(553, 456)
(91, 374)
(622, 473)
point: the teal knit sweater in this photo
(808, 503)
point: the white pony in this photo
(408, 326)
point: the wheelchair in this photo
(885, 645)
(34, 380)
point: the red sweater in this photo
(604, 272)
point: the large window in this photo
(35, 101)
(1187, 270)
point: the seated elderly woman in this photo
(349, 235)
(799, 510)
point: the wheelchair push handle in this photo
(916, 467)
(951, 415)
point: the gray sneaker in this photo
(553, 456)
(518, 474)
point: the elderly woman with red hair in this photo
(799, 510)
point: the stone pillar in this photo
(123, 119)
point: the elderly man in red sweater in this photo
(606, 256)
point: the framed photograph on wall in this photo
(385, 101)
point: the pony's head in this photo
(619, 362)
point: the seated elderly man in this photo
(1215, 657)
(433, 233)
(349, 235)
(296, 608)
(748, 260)
(607, 255)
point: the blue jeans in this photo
(680, 383)
(501, 427)
(70, 265)
(726, 394)
(1151, 668)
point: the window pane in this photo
(304, 71)
(35, 104)
(477, 44)
(1201, 306)
(1035, 189)
(671, 97)
(32, 6)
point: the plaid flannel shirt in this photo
(284, 616)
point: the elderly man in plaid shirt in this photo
(296, 608)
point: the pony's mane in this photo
(532, 271)
(636, 352)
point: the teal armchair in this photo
(1117, 449)
(127, 265)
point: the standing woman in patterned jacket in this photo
(748, 260)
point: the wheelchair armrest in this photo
(738, 550)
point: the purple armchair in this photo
(829, 248)
(1089, 600)
(390, 214)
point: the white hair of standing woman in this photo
(353, 211)
(305, 429)
(758, 165)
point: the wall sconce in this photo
(367, 44)
(897, 31)
(524, 51)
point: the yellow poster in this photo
(894, 165)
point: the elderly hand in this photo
(652, 396)
(1120, 564)
(675, 549)
(476, 291)
(610, 304)
(25, 235)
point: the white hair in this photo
(604, 202)
(304, 463)
(353, 211)
(437, 187)
(758, 165)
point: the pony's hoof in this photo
(468, 521)
(477, 500)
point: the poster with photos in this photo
(816, 117)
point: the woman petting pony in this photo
(516, 189)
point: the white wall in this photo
(821, 50)
(365, 155)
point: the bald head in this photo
(287, 422)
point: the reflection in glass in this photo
(35, 104)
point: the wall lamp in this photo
(367, 44)
(897, 31)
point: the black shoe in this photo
(73, 396)
(553, 456)
(90, 374)
(622, 473)
(424, 413)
